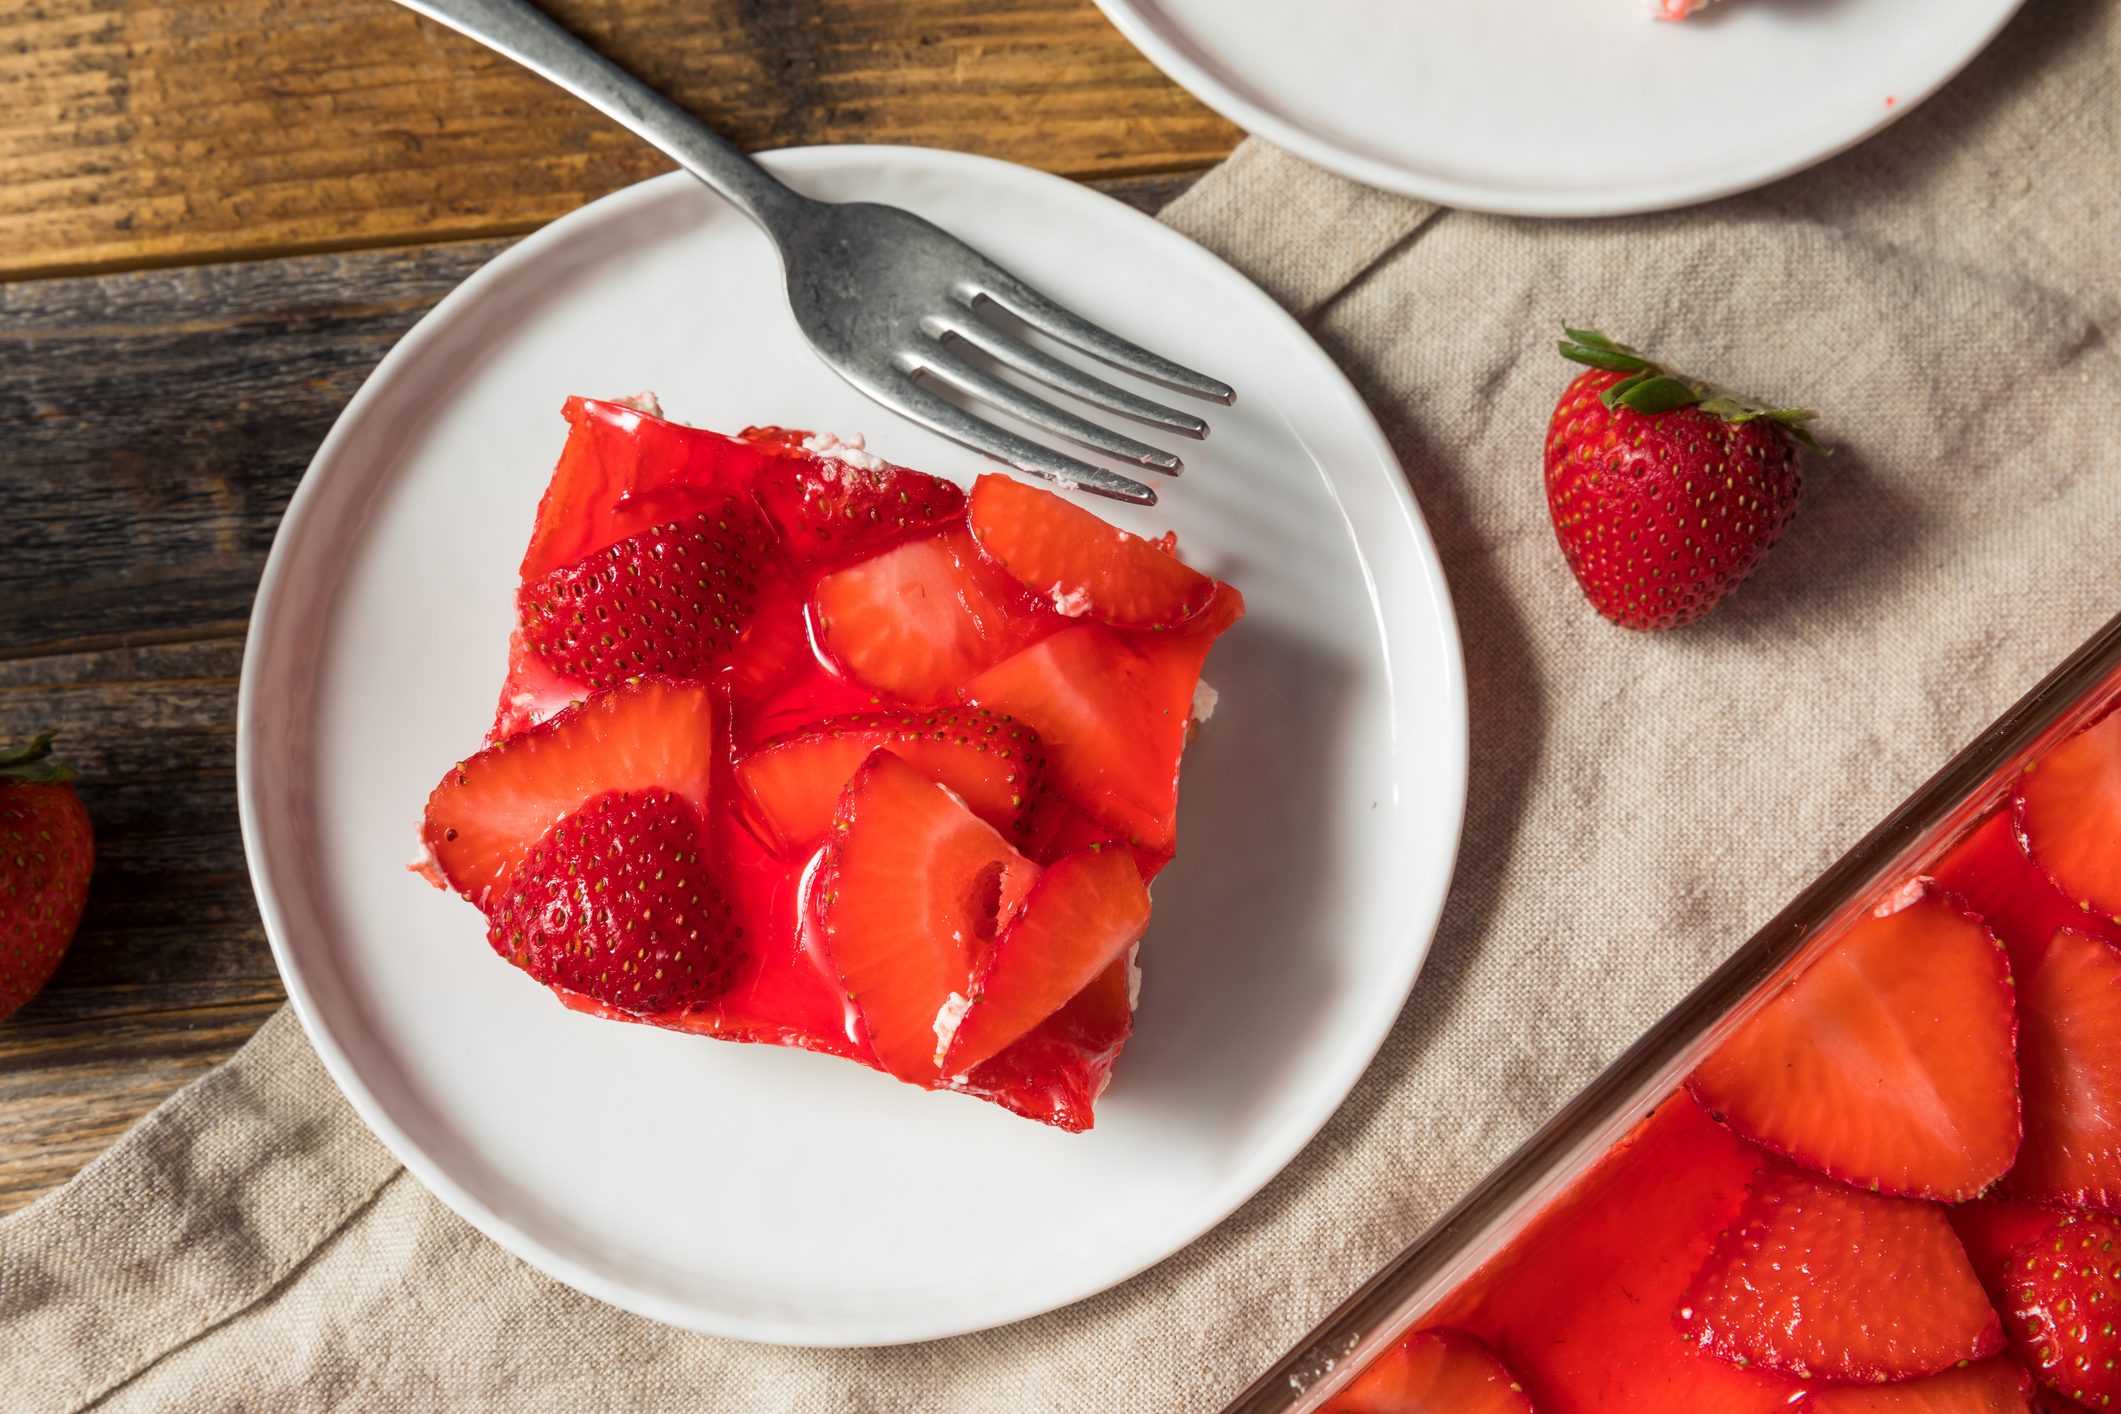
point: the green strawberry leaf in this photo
(1657, 392)
(33, 765)
(1649, 389)
(1610, 359)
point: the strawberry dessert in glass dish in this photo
(804, 748)
(1891, 1183)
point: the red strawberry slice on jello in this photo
(834, 500)
(909, 897)
(1080, 563)
(492, 809)
(1820, 1280)
(1082, 915)
(1998, 1385)
(620, 902)
(918, 620)
(1888, 1063)
(670, 600)
(2061, 1293)
(1055, 1072)
(1112, 708)
(1434, 1372)
(994, 764)
(2069, 812)
(2069, 1054)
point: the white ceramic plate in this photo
(1561, 107)
(772, 1194)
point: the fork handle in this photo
(527, 35)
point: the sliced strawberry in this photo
(2069, 1052)
(2061, 1292)
(1082, 915)
(1112, 708)
(670, 600)
(618, 903)
(1434, 1372)
(1082, 564)
(624, 471)
(845, 503)
(920, 619)
(2069, 813)
(1818, 1279)
(1581, 1303)
(492, 808)
(910, 895)
(1888, 1062)
(1995, 1386)
(995, 765)
(1056, 1071)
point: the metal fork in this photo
(888, 300)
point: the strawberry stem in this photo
(1650, 388)
(33, 763)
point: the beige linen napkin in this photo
(1948, 293)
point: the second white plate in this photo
(771, 1194)
(1561, 107)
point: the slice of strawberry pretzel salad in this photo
(803, 748)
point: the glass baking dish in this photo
(1488, 1217)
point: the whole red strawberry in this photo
(46, 853)
(1665, 492)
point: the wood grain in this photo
(145, 132)
(152, 427)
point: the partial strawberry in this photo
(1112, 708)
(617, 902)
(1888, 1063)
(1083, 914)
(2069, 1057)
(625, 471)
(1056, 1071)
(1080, 563)
(2061, 1293)
(1994, 1386)
(671, 600)
(919, 619)
(1665, 492)
(834, 500)
(1434, 1372)
(994, 764)
(493, 808)
(911, 893)
(47, 851)
(2069, 814)
(1816, 1279)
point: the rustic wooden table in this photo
(215, 216)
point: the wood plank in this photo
(152, 427)
(138, 132)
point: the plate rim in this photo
(1231, 99)
(281, 575)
